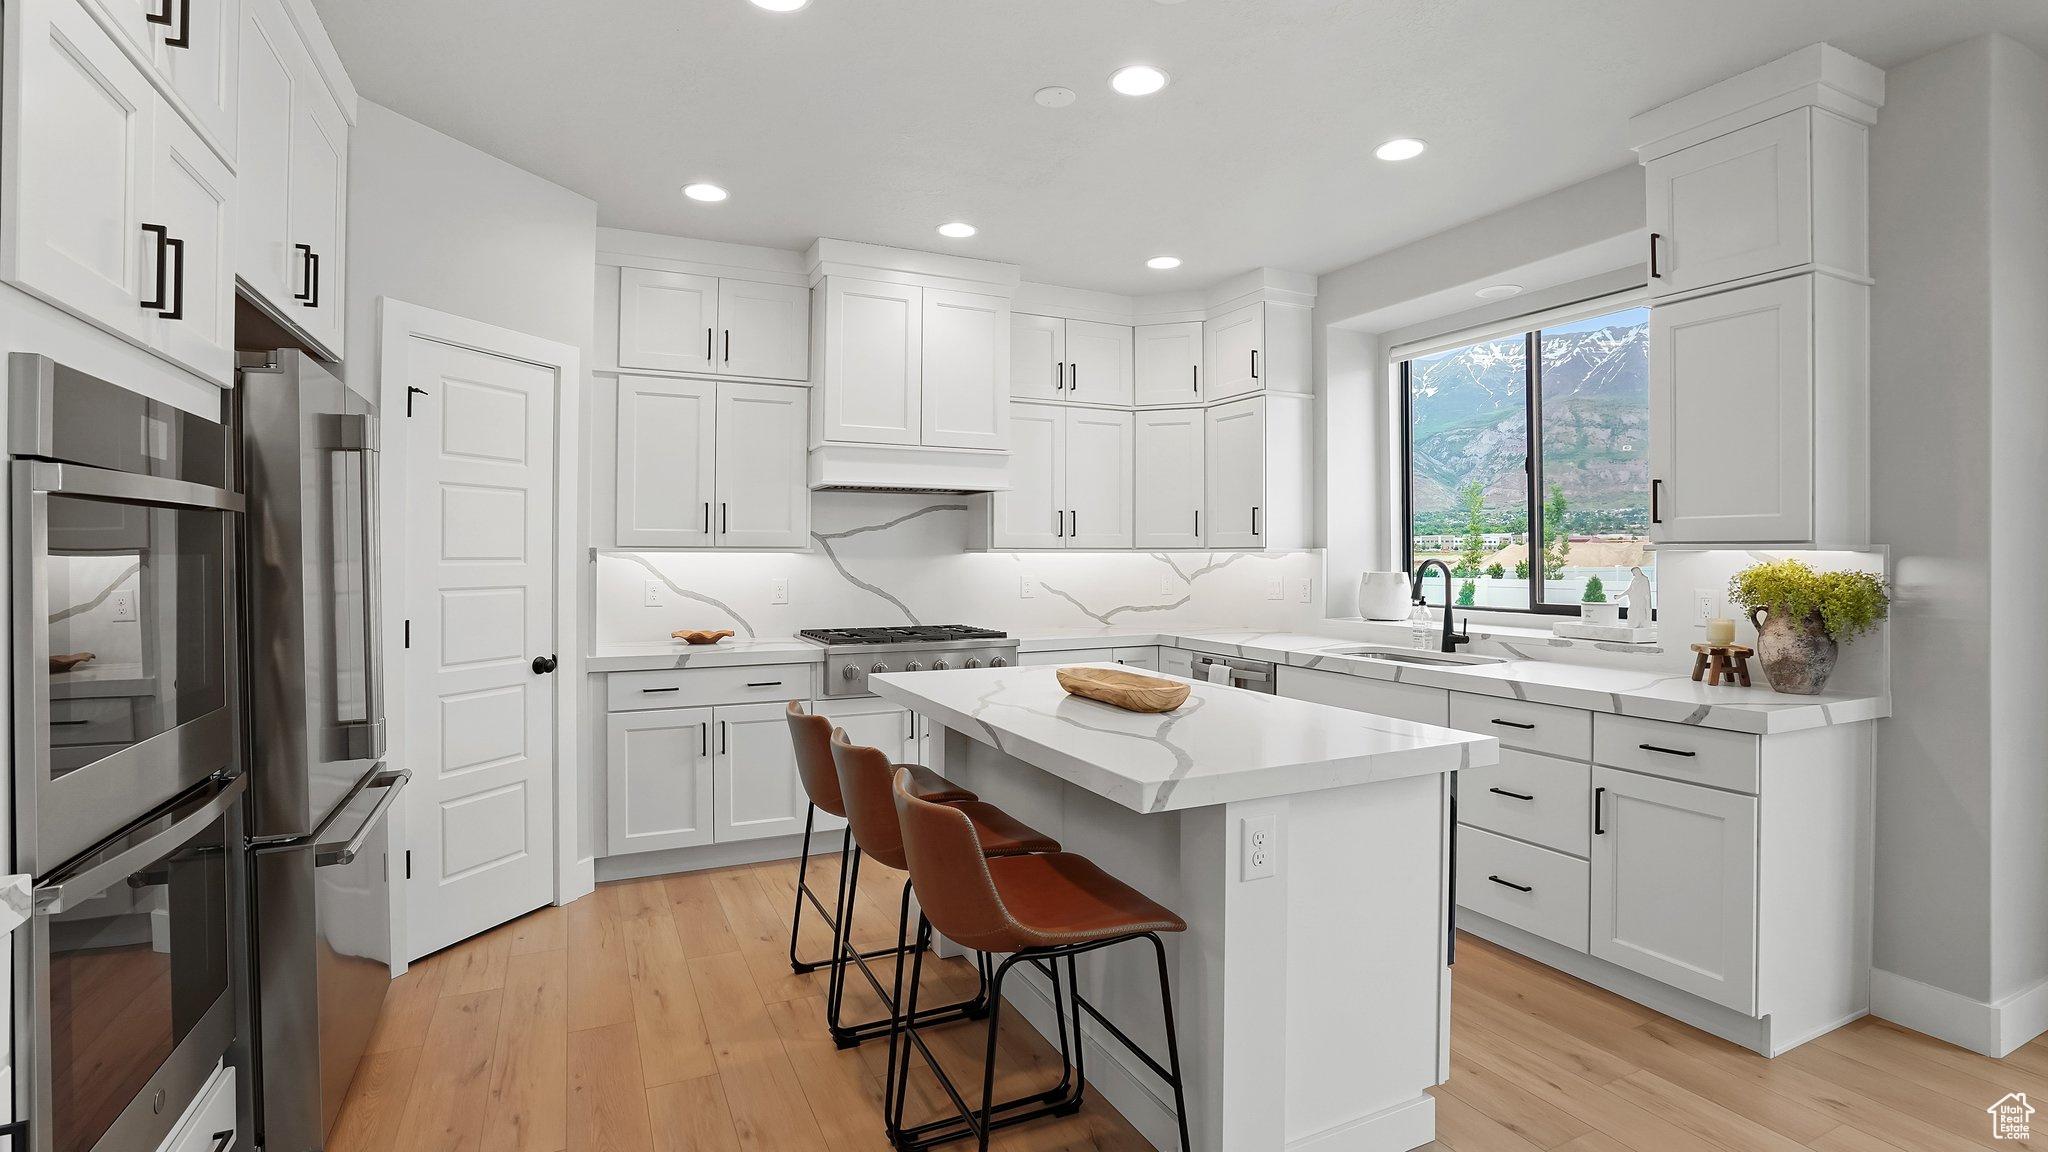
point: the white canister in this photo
(1384, 595)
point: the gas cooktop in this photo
(902, 634)
(853, 654)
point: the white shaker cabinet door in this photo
(192, 195)
(1032, 513)
(966, 369)
(873, 362)
(666, 462)
(1098, 363)
(1038, 357)
(319, 212)
(764, 499)
(764, 330)
(1731, 416)
(197, 56)
(658, 779)
(1234, 348)
(1169, 479)
(270, 69)
(1099, 468)
(668, 321)
(1168, 361)
(1236, 465)
(757, 792)
(1735, 206)
(78, 181)
(1674, 884)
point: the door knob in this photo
(542, 665)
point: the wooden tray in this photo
(1126, 690)
(700, 636)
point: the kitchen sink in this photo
(1413, 656)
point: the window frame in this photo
(1532, 407)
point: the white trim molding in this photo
(1994, 1029)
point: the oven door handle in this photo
(342, 854)
(67, 890)
(107, 484)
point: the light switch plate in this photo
(1274, 590)
(778, 590)
(650, 594)
(1027, 587)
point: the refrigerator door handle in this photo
(325, 855)
(366, 737)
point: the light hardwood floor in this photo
(661, 1016)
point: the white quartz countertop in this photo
(732, 650)
(1222, 745)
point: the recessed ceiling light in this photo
(1054, 97)
(1163, 263)
(1138, 80)
(709, 193)
(1400, 148)
(781, 5)
(956, 230)
(1498, 291)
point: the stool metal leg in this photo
(1180, 1100)
(803, 892)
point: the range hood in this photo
(907, 468)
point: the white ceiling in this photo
(878, 120)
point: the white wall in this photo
(1960, 254)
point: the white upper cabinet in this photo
(700, 463)
(1032, 512)
(872, 379)
(1098, 363)
(666, 462)
(1169, 478)
(763, 501)
(764, 330)
(319, 213)
(194, 193)
(668, 321)
(1236, 452)
(1099, 478)
(1168, 364)
(191, 45)
(1038, 357)
(1234, 345)
(966, 352)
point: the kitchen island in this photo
(1314, 1001)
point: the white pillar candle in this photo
(1720, 631)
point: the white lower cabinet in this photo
(873, 724)
(658, 774)
(1413, 702)
(1146, 658)
(756, 791)
(1166, 501)
(703, 463)
(1177, 662)
(1674, 884)
(1532, 888)
(1065, 657)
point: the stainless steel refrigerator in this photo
(320, 921)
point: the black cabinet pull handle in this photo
(1198, 522)
(305, 267)
(222, 1139)
(1255, 363)
(1511, 884)
(1656, 489)
(1509, 795)
(721, 737)
(1654, 274)
(1515, 724)
(1059, 523)
(764, 684)
(707, 345)
(177, 309)
(1073, 523)
(1194, 378)
(1059, 376)
(163, 265)
(722, 518)
(183, 40)
(703, 739)
(1666, 751)
(1599, 812)
(728, 345)
(707, 517)
(313, 279)
(163, 17)
(651, 691)
(1255, 519)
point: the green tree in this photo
(1495, 570)
(1521, 569)
(1596, 592)
(1557, 534)
(1472, 545)
(1467, 593)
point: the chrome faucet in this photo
(1451, 639)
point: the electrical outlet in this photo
(1274, 591)
(1166, 585)
(1027, 587)
(1305, 589)
(778, 590)
(1261, 856)
(650, 594)
(1703, 606)
(123, 604)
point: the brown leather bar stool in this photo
(812, 738)
(1039, 909)
(867, 782)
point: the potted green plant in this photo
(1802, 617)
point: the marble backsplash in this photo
(890, 558)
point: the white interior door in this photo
(1038, 357)
(1098, 478)
(480, 598)
(764, 498)
(1166, 500)
(667, 320)
(1032, 513)
(666, 462)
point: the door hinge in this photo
(408, 863)
(408, 634)
(410, 392)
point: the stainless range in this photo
(852, 654)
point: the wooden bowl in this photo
(700, 636)
(1126, 690)
(66, 661)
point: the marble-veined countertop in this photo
(1222, 745)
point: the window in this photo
(1527, 463)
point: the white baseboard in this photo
(637, 865)
(1993, 1029)
(1407, 1125)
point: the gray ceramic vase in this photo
(1798, 655)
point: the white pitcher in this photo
(1384, 595)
